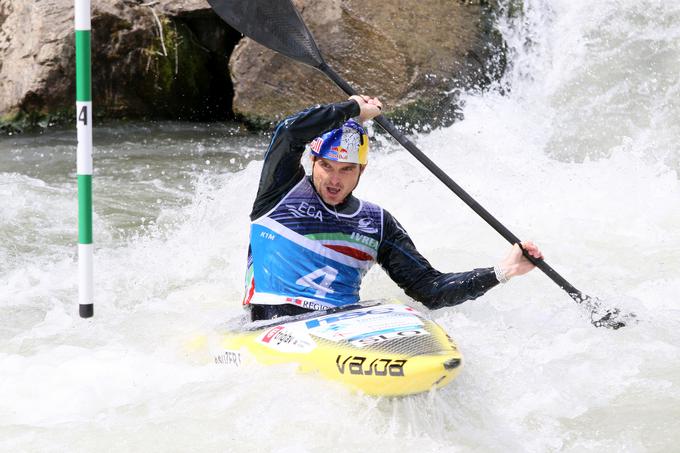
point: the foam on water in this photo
(580, 156)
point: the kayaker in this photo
(312, 241)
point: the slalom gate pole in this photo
(84, 157)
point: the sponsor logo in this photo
(342, 153)
(367, 322)
(380, 338)
(267, 235)
(271, 333)
(309, 304)
(325, 320)
(377, 367)
(312, 305)
(285, 340)
(304, 210)
(370, 242)
(228, 358)
(366, 225)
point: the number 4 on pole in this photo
(82, 116)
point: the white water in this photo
(580, 155)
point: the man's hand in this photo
(370, 107)
(515, 263)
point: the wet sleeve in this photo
(282, 168)
(413, 273)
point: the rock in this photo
(33, 57)
(170, 59)
(148, 60)
(412, 55)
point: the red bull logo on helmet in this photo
(341, 153)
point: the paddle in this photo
(276, 24)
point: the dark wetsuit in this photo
(397, 254)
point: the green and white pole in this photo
(84, 157)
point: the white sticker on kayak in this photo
(286, 339)
(365, 323)
(393, 334)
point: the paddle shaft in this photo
(451, 184)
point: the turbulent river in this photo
(576, 149)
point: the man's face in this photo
(334, 180)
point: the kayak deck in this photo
(385, 349)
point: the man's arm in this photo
(414, 274)
(282, 168)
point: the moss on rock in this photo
(20, 121)
(177, 83)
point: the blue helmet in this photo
(348, 143)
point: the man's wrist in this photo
(501, 275)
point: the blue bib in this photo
(305, 254)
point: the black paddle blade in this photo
(275, 24)
(600, 316)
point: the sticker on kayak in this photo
(375, 338)
(367, 323)
(227, 357)
(286, 339)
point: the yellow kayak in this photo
(386, 349)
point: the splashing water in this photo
(579, 154)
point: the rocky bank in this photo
(175, 59)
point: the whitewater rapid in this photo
(576, 149)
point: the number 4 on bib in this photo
(327, 275)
